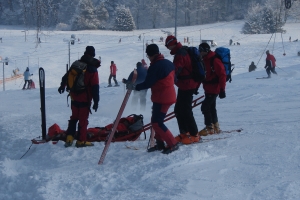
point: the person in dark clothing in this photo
(138, 95)
(213, 85)
(160, 78)
(81, 102)
(252, 67)
(270, 64)
(186, 88)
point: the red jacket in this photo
(272, 59)
(215, 79)
(183, 67)
(113, 69)
(160, 78)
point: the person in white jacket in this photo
(27, 80)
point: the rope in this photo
(26, 151)
(265, 49)
(274, 43)
(282, 44)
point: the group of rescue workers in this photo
(160, 77)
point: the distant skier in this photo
(27, 80)
(252, 67)
(230, 42)
(270, 64)
(113, 74)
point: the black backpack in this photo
(198, 70)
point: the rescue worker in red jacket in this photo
(113, 74)
(160, 78)
(186, 88)
(81, 102)
(270, 64)
(213, 85)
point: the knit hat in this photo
(267, 52)
(171, 40)
(27, 69)
(139, 64)
(204, 47)
(152, 49)
(90, 50)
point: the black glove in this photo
(61, 89)
(222, 94)
(95, 107)
(130, 86)
(124, 80)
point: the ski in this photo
(112, 133)
(203, 139)
(42, 97)
(263, 78)
(231, 131)
(111, 86)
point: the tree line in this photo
(123, 14)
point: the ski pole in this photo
(282, 70)
(21, 83)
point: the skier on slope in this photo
(27, 80)
(113, 74)
(270, 64)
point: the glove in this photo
(95, 107)
(61, 89)
(130, 86)
(124, 80)
(222, 94)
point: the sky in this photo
(260, 163)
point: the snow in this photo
(261, 162)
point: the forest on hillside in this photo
(130, 14)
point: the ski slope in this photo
(261, 162)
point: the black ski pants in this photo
(209, 110)
(114, 77)
(183, 112)
(269, 70)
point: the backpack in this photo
(223, 54)
(75, 77)
(198, 70)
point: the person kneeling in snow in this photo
(160, 78)
(138, 95)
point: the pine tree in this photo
(85, 17)
(124, 20)
(102, 14)
(262, 20)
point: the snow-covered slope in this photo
(261, 162)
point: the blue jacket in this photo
(142, 73)
(26, 75)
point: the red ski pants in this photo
(81, 114)
(162, 133)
